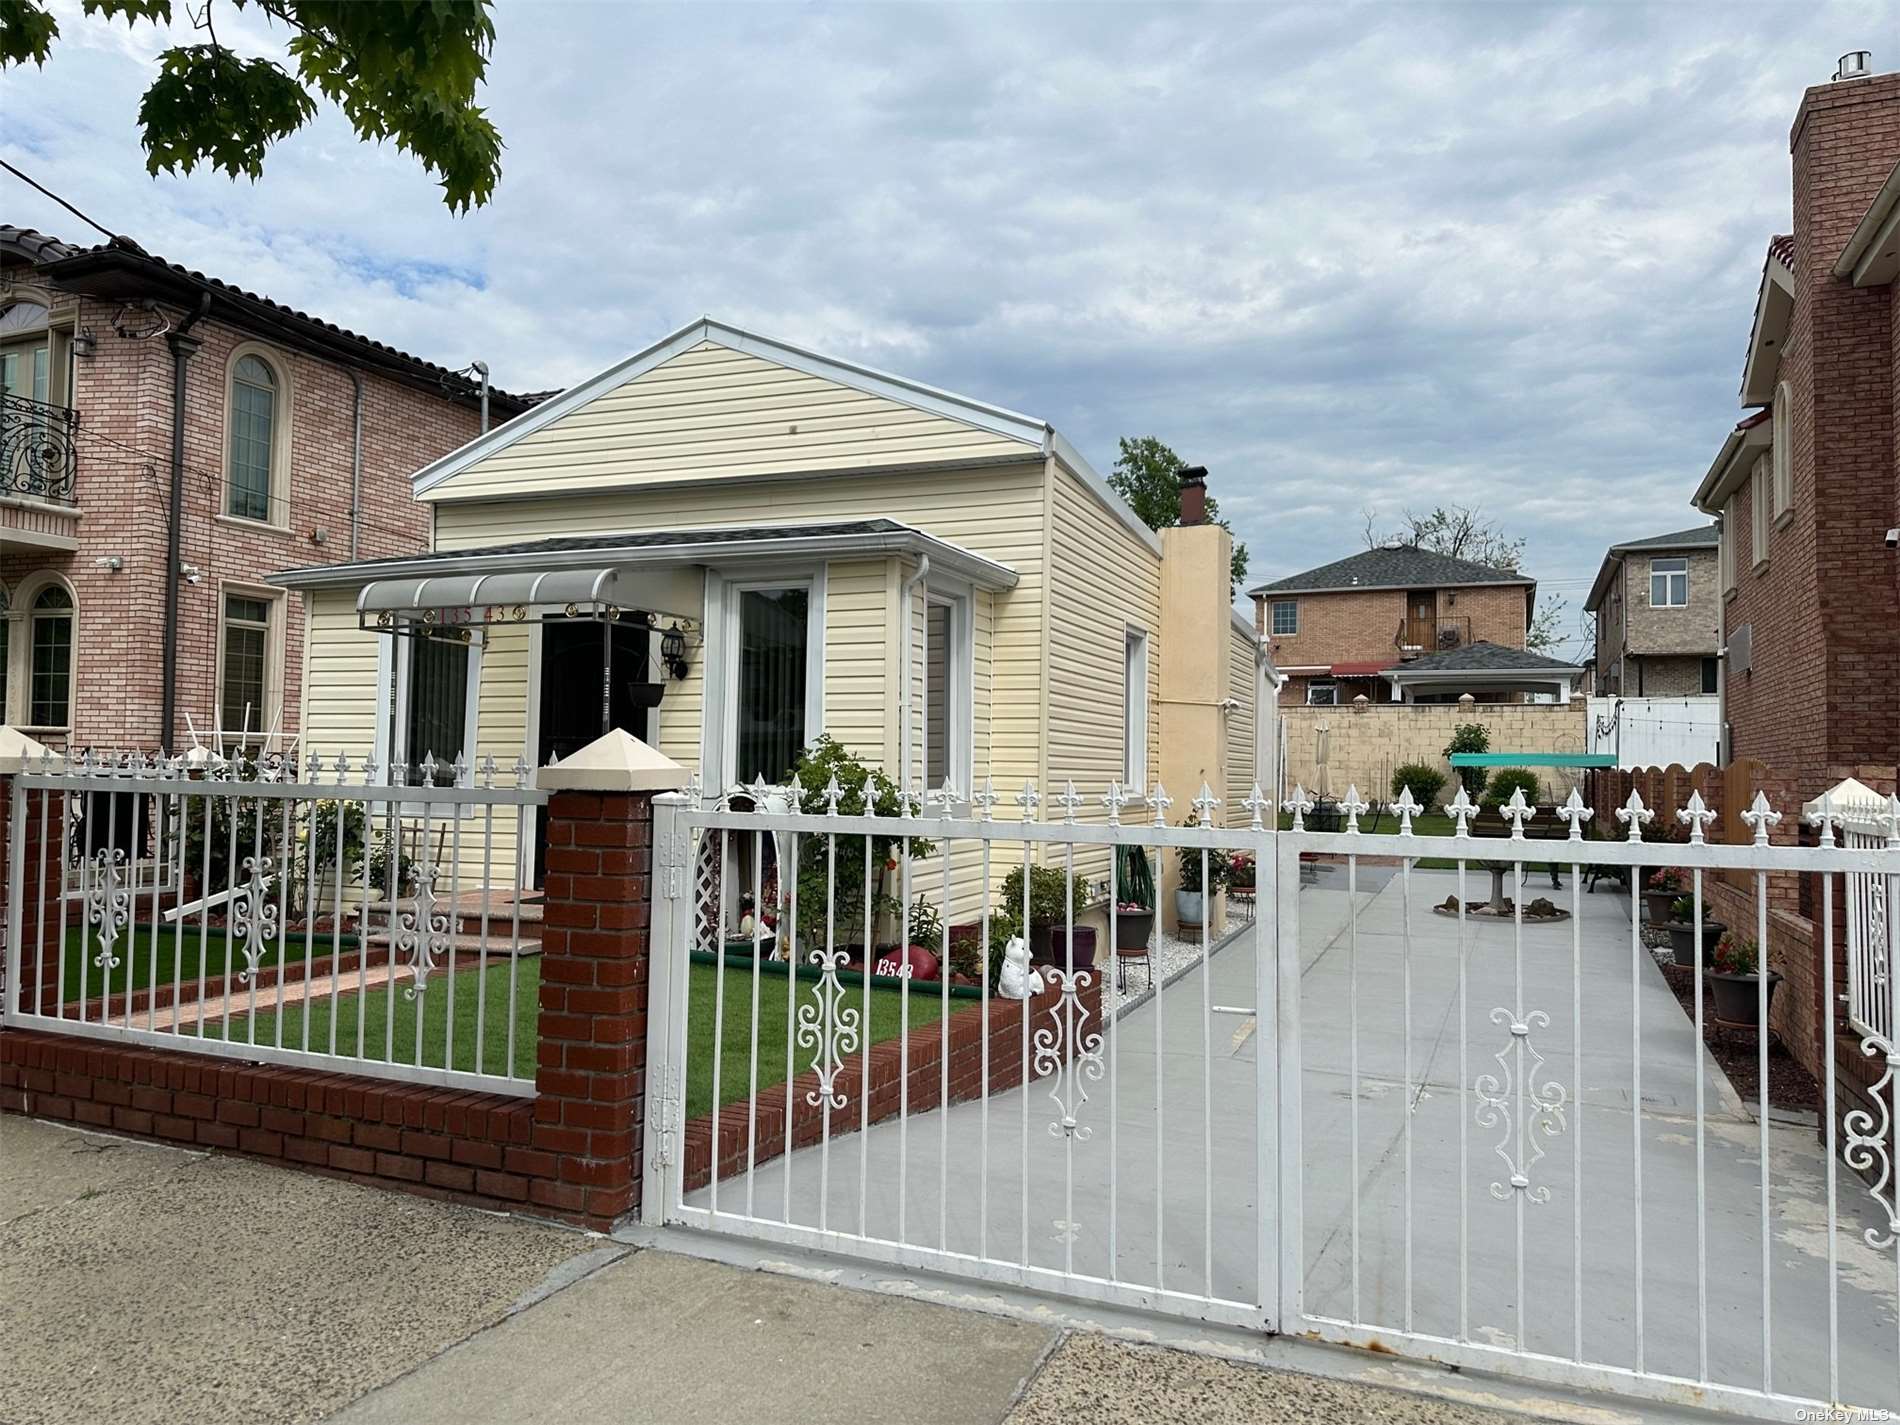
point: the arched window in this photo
(1781, 414)
(255, 416)
(50, 671)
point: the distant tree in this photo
(1464, 533)
(1147, 474)
(404, 70)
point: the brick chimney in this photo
(1194, 494)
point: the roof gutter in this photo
(1879, 216)
(960, 562)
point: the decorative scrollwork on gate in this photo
(1067, 1071)
(1519, 1145)
(108, 904)
(829, 1028)
(253, 915)
(422, 934)
(1866, 1149)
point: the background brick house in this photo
(277, 406)
(1657, 603)
(1335, 629)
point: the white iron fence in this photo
(315, 914)
(1389, 1113)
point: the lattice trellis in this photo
(706, 895)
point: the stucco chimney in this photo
(1194, 494)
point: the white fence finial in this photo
(1517, 811)
(947, 796)
(832, 794)
(1824, 817)
(1115, 799)
(1460, 809)
(1258, 805)
(1029, 800)
(1352, 806)
(1160, 801)
(1761, 818)
(1407, 807)
(1634, 814)
(1204, 805)
(1696, 816)
(985, 799)
(1575, 812)
(1070, 801)
(1299, 805)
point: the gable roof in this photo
(1703, 536)
(1482, 657)
(1401, 567)
(121, 270)
(1030, 436)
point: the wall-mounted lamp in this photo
(319, 535)
(111, 563)
(85, 343)
(191, 574)
(673, 651)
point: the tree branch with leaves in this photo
(406, 71)
(1147, 474)
(1461, 532)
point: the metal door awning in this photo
(521, 596)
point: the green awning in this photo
(1532, 759)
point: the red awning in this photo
(1358, 670)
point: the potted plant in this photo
(1051, 908)
(1190, 897)
(1659, 893)
(1680, 923)
(1135, 911)
(1735, 980)
(1240, 871)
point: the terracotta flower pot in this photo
(1656, 906)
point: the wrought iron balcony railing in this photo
(39, 452)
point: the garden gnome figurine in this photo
(1018, 981)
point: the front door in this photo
(594, 676)
(1420, 616)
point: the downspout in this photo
(356, 462)
(903, 673)
(183, 346)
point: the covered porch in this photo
(1489, 672)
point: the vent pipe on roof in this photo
(1855, 64)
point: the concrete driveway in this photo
(145, 1283)
(1162, 1189)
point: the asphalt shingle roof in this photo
(1403, 567)
(660, 538)
(1481, 657)
(1702, 534)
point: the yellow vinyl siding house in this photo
(823, 545)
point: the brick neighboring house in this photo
(1384, 617)
(90, 339)
(1657, 603)
(1806, 488)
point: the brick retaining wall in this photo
(887, 1081)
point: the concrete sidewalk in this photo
(147, 1283)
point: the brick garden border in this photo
(925, 1045)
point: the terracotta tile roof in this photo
(59, 259)
(1781, 248)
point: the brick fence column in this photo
(596, 913)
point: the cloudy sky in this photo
(1349, 257)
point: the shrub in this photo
(1498, 792)
(1470, 737)
(865, 792)
(1425, 781)
(926, 925)
(1048, 893)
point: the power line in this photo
(41, 187)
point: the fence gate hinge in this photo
(668, 1109)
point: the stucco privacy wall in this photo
(1363, 747)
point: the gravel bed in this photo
(1168, 954)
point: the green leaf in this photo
(209, 106)
(26, 32)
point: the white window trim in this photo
(1333, 688)
(960, 712)
(718, 734)
(1758, 494)
(1667, 575)
(391, 667)
(20, 653)
(1781, 448)
(269, 717)
(1273, 630)
(1135, 706)
(1725, 547)
(280, 433)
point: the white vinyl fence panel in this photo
(1655, 732)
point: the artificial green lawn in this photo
(734, 1070)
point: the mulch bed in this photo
(1789, 1085)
